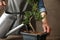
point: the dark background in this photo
(53, 9)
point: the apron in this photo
(14, 6)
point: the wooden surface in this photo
(12, 37)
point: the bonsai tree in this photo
(33, 12)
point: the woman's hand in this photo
(2, 3)
(45, 25)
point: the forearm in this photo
(44, 15)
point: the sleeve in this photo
(41, 6)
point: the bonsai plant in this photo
(33, 12)
(27, 20)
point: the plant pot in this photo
(34, 36)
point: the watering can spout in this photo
(14, 29)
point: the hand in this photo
(45, 25)
(46, 28)
(2, 3)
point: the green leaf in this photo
(34, 12)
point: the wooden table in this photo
(13, 37)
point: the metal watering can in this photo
(8, 20)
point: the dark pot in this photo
(34, 36)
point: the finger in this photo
(48, 29)
(44, 28)
(0, 3)
(4, 3)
